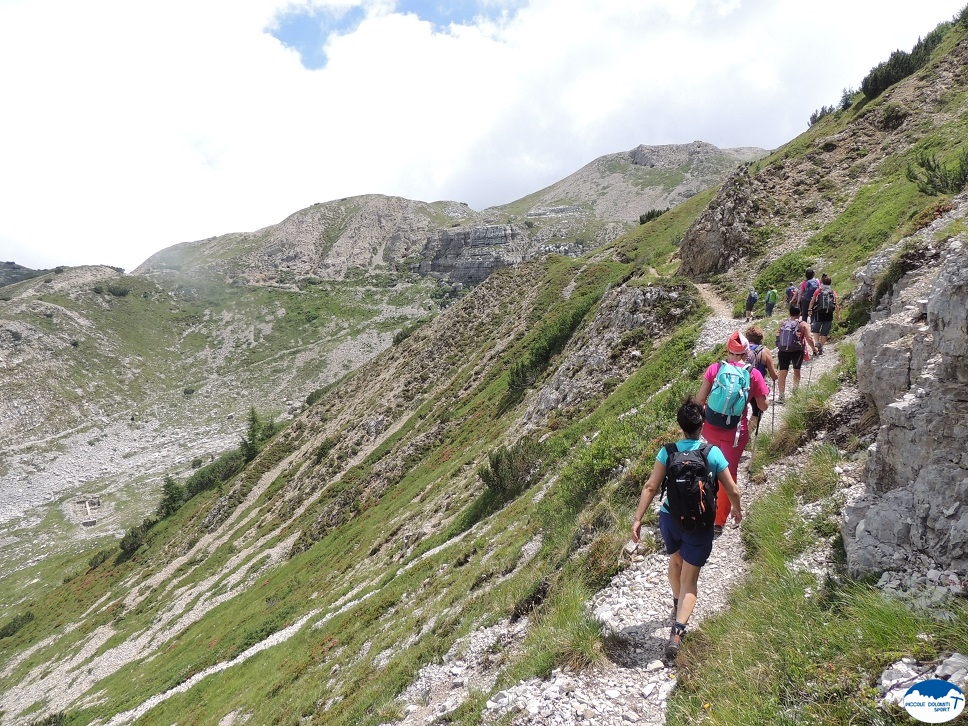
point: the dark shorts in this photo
(786, 358)
(822, 322)
(693, 547)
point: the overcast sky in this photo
(128, 126)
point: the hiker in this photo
(771, 297)
(750, 303)
(823, 305)
(730, 431)
(791, 293)
(807, 288)
(688, 550)
(791, 339)
(761, 358)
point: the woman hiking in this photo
(688, 551)
(761, 358)
(733, 435)
(823, 305)
(791, 341)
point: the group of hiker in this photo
(691, 474)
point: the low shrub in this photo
(118, 290)
(511, 470)
(934, 177)
(221, 470)
(99, 559)
(15, 624)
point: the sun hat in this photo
(738, 344)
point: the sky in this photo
(127, 127)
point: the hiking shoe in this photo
(781, 399)
(717, 531)
(673, 646)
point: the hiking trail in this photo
(633, 685)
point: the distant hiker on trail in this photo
(791, 341)
(823, 305)
(807, 288)
(791, 294)
(726, 389)
(689, 547)
(750, 303)
(761, 358)
(771, 297)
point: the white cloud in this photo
(129, 127)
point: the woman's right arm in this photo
(649, 491)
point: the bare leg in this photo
(688, 590)
(675, 574)
(781, 382)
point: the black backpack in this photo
(825, 302)
(690, 488)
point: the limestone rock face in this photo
(470, 255)
(913, 364)
(721, 237)
(630, 320)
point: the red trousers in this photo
(724, 438)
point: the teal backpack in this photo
(728, 396)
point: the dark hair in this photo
(690, 415)
(809, 273)
(754, 334)
(825, 279)
(794, 310)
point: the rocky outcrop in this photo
(629, 321)
(469, 255)
(721, 237)
(912, 363)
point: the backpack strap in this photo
(704, 449)
(670, 449)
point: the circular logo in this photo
(934, 701)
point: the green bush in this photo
(119, 290)
(509, 471)
(172, 497)
(99, 559)
(847, 98)
(15, 624)
(934, 177)
(221, 470)
(652, 214)
(134, 538)
(258, 432)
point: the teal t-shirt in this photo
(716, 460)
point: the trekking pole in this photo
(810, 369)
(773, 410)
